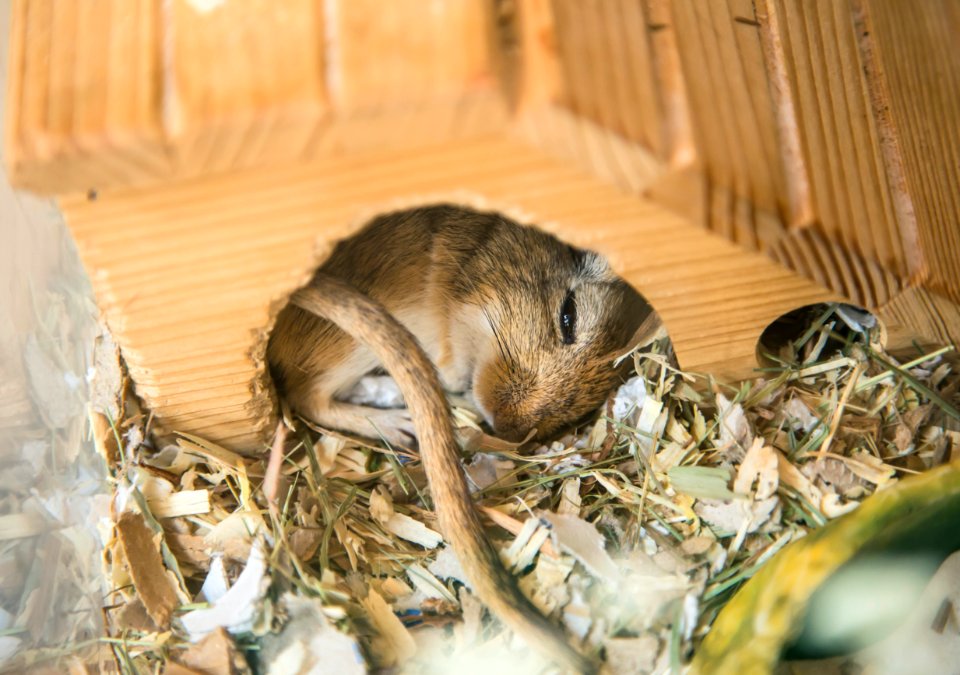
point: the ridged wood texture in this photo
(805, 146)
(917, 51)
(823, 133)
(191, 307)
(789, 113)
(107, 93)
(826, 135)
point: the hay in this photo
(633, 532)
(52, 487)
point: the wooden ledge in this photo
(191, 274)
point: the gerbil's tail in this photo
(402, 357)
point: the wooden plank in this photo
(854, 173)
(114, 93)
(862, 281)
(246, 83)
(920, 316)
(789, 107)
(529, 54)
(790, 147)
(617, 74)
(740, 117)
(916, 52)
(678, 145)
(611, 100)
(84, 80)
(395, 54)
(595, 148)
(175, 275)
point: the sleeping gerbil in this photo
(524, 323)
(528, 325)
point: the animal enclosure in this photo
(733, 160)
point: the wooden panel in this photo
(854, 167)
(83, 81)
(246, 81)
(741, 121)
(677, 128)
(400, 53)
(190, 275)
(478, 114)
(863, 282)
(113, 93)
(917, 50)
(529, 59)
(592, 147)
(691, 193)
(922, 317)
(618, 70)
(793, 130)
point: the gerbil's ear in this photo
(593, 266)
(649, 330)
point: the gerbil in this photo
(526, 324)
(397, 348)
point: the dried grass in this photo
(633, 532)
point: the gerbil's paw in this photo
(395, 426)
(378, 391)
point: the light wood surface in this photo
(83, 100)
(395, 54)
(111, 93)
(242, 85)
(734, 112)
(560, 133)
(922, 316)
(855, 174)
(734, 159)
(917, 49)
(618, 70)
(826, 136)
(190, 274)
(811, 253)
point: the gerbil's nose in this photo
(510, 428)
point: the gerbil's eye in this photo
(568, 319)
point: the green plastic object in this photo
(769, 612)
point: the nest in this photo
(633, 531)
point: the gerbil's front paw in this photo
(377, 391)
(395, 426)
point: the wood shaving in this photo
(632, 532)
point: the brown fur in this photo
(414, 373)
(482, 295)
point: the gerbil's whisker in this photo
(502, 345)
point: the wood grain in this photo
(618, 70)
(791, 113)
(862, 281)
(395, 54)
(921, 317)
(83, 83)
(244, 81)
(603, 152)
(114, 93)
(740, 122)
(917, 53)
(190, 275)
(840, 99)
(528, 54)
